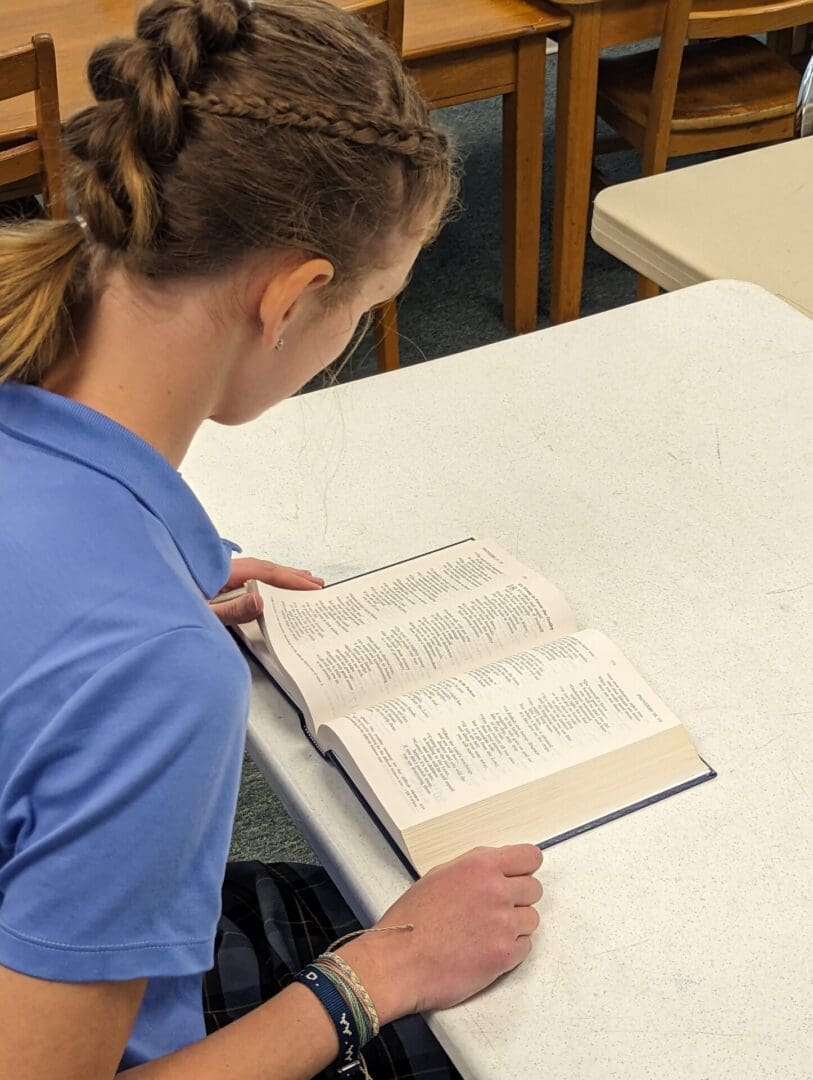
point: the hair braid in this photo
(121, 146)
(419, 144)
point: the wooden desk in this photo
(460, 50)
(430, 30)
(655, 461)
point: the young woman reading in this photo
(250, 182)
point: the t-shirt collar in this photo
(73, 430)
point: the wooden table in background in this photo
(468, 50)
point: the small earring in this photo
(279, 344)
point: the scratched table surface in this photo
(655, 461)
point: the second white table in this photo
(747, 216)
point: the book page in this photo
(377, 636)
(554, 808)
(498, 726)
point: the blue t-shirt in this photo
(123, 705)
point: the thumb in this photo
(241, 609)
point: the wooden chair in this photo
(711, 95)
(30, 159)
(470, 50)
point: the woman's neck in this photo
(152, 358)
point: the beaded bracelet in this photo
(346, 1001)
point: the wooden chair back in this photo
(695, 20)
(30, 161)
(728, 18)
(386, 16)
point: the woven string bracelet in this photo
(346, 1001)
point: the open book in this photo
(465, 708)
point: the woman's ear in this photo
(287, 291)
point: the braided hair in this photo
(418, 144)
(122, 145)
(223, 128)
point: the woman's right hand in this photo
(472, 920)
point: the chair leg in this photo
(647, 289)
(577, 83)
(523, 125)
(385, 328)
(781, 42)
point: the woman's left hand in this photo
(249, 605)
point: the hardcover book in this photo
(464, 706)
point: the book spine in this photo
(331, 757)
(588, 825)
(254, 662)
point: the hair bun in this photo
(191, 31)
(179, 35)
(104, 72)
(153, 71)
(120, 146)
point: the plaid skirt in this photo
(275, 919)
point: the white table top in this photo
(746, 216)
(655, 462)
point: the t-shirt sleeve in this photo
(121, 814)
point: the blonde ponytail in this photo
(43, 273)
